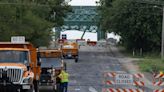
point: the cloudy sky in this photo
(74, 34)
(83, 2)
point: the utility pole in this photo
(162, 38)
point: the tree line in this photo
(33, 19)
(139, 24)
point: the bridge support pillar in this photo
(101, 35)
(57, 33)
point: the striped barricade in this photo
(157, 76)
(109, 74)
(137, 82)
(138, 75)
(121, 90)
(160, 90)
(158, 81)
(91, 43)
(113, 74)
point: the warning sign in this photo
(124, 79)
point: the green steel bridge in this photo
(83, 18)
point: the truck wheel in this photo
(76, 59)
(58, 87)
(54, 89)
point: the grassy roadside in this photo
(148, 62)
(150, 65)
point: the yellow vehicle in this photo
(52, 64)
(70, 50)
(19, 68)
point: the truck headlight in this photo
(28, 77)
(27, 80)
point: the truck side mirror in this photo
(28, 68)
(39, 62)
(38, 59)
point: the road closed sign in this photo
(124, 79)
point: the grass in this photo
(151, 64)
(148, 62)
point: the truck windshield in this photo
(11, 56)
(51, 62)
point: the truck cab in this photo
(52, 64)
(19, 69)
(70, 50)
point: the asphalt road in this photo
(87, 74)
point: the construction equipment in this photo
(52, 64)
(19, 68)
(70, 50)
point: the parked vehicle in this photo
(52, 64)
(70, 50)
(19, 68)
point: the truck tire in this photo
(76, 59)
(58, 87)
(54, 89)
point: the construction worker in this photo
(64, 81)
(161, 72)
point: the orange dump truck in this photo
(19, 69)
(70, 50)
(52, 63)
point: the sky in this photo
(74, 34)
(83, 2)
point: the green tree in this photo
(33, 19)
(138, 24)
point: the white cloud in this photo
(73, 34)
(83, 2)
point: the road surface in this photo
(87, 74)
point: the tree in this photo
(138, 24)
(33, 19)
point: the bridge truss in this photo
(83, 18)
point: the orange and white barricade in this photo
(158, 82)
(91, 43)
(121, 90)
(110, 80)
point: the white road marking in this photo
(77, 89)
(91, 89)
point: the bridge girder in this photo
(83, 18)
